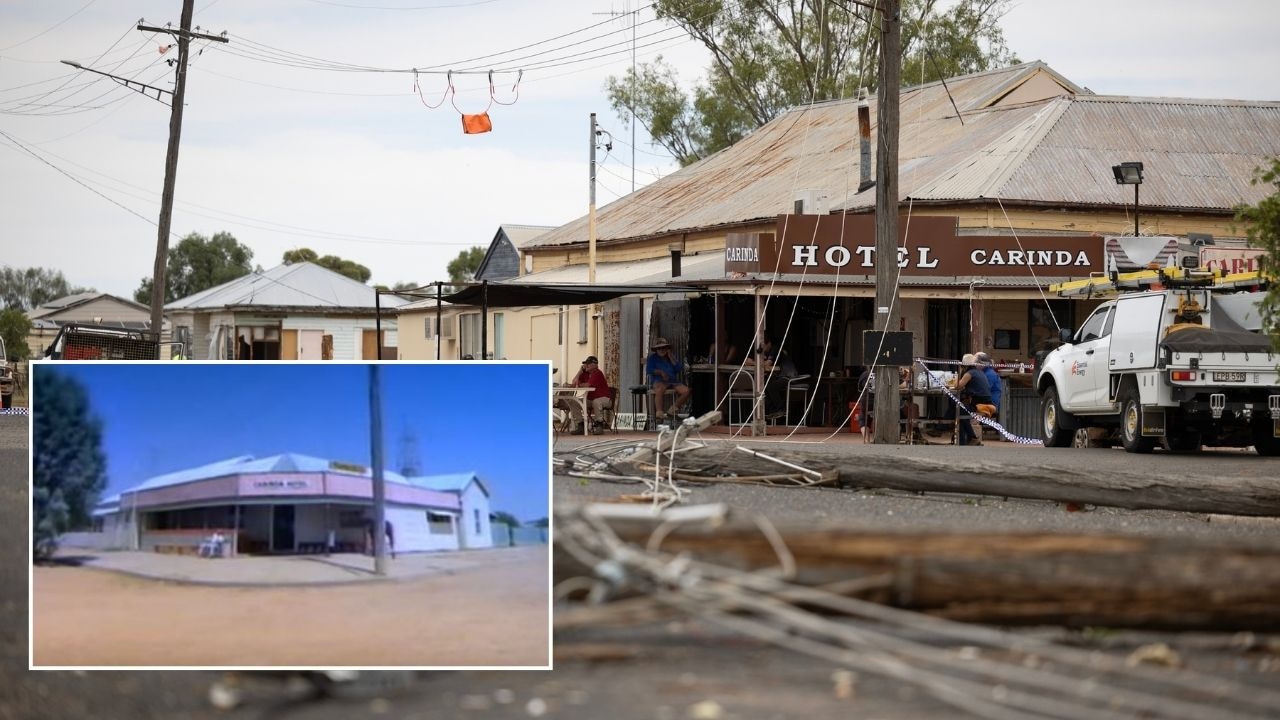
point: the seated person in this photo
(598, 399)
(663, 372)
(973, 389)
(993, 378)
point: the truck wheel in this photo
(1052, 418)
(1264, 441)
(1131, 423)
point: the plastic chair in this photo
(799, 383)
(738, 396)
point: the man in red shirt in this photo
(598, 399)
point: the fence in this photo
(504, 536)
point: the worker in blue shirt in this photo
(663, 372)
(993, 378)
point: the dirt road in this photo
(491, 616)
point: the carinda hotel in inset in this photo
(292, 503)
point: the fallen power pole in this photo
(184, 36)
(1024, 578)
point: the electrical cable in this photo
(53, 27)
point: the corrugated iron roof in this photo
(520, 235)
(654, 271)
(1199, 155)
(300, 285)
(291, 463)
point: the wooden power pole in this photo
(887, 310)
(377, 477)
(184, 36)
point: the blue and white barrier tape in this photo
(15, 411)
(986, 420)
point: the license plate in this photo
(1228, 377)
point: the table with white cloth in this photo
(573, 393)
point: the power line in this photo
(51, 28)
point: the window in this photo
(582, 326)
(1043, 322)
(440, 523)
(1096, 326)
(499, 326)
(426, 328)
(469, 334)
(477, 512)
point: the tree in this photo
(14, 328)
(506, 518)
(199, 263)
(350, 268)
(68, 465)
(1264, 233)
(462, 269)
(32, 287)
(769, 56)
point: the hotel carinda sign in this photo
(928, 246)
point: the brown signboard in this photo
(927, 246)
(742, 252)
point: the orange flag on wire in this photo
(474, 124)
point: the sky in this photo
(355, 164)
(490, 418)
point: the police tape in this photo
(15, 411)
(984, 419)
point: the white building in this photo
(294, 503)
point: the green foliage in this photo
(506, 518)
(540, 522)
(769, 56)
(32, 287)
(1264, 232)
(68, 466)
(14, 328)
(342, 266)
(199, 263)
(463, 268)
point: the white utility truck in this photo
(1187, 364)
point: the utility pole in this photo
(887, 310)
(591, 208)
(184, 36)
(379, 485)
(631, 102)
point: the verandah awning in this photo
(521, 295)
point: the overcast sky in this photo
(355, 164)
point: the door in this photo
(282, 517)
(1085, 362)
(309, 344)
(369, 345)
(288, 344)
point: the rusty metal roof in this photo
(1198, 155)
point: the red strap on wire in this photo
(418, 89)
(514, 88)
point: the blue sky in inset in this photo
(492, 418)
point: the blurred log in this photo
(1137, 489)
(1020, 578)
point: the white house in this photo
(291, 312)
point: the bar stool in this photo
(639, 399)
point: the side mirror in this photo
(1065, 334)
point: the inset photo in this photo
(252, 515)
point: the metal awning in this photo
(522, 295)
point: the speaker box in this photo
(894, 350)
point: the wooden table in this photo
(572, 393)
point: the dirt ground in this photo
(491, 616)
